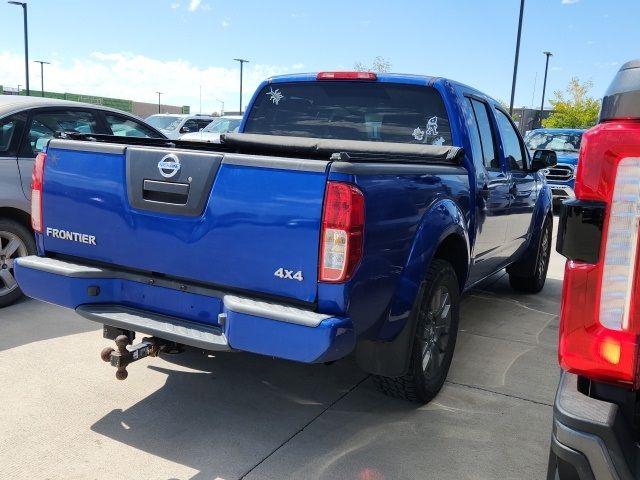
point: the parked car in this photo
(211, 133)
(175, 125)
(595, 420)
(566, 143)
(350, 215)
(26, 125)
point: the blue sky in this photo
(131, 49)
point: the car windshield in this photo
(372, 111)
(223, 125)
(163, 122)
(560, 142)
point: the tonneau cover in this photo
(353, 149)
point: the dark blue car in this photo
(566, 143)
(350, 215)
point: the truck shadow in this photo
(222, 414)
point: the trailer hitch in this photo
(121, 356)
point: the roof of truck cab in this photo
(406, 78)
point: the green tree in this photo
(576, 109)
(379, 65)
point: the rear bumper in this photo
(590, 438)
(189, 314)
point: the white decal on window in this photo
(418, 134)
(432, 126)
(275, 95)
(438, 141)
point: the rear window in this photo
(382, 112)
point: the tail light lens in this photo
(342, 232)
(37, 181)
(599, 324)
(370, 76)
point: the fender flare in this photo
(390, 357)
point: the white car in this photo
(175, 125)
(211, 133)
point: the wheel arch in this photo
(442, 234)
(17, 215)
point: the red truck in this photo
(596, 426)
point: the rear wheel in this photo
(15, 241)
(534, 283)
(435, 338)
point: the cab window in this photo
(125, 127)
(511, 143)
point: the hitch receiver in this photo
(123, 356)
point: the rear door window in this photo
(125, 127)
(45, 124)
(11, 129)
(371, 111)
(480, 109)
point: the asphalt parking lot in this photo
(64, 415)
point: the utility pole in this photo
(26, 43)
(242, 62)
(159, 93)
(515, 63)
(221, 107)
(41, 75)
(544, 85)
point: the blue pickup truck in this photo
(350, 214)
(566, 143)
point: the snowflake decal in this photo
(275, 95)
(438, 141)
(418, 134)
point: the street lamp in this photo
(544, 85)
(41, 74)
(221, 107)
(242, 62)
(159, 93)
(26, 43)
(515, 63)
(19, 89)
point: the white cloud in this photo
(298, 15)
(194, 4)
(137, 77)
(175, 6)
(225, 23)
(569, 2)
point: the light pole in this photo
(159, 93)
(544, 84)
(41, 74)
(19, 89)
(26, 43)
(242, 62)
(221, 107)
(515, 63)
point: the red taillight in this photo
(37, 180)
(599, 324)
(342, 233)
(371, 76)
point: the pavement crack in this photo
(300, 430)
(474, 387)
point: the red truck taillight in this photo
(600, 321)
(342, 233)
(37, 180)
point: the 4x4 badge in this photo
(169, 166)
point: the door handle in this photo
(484, 191)
(513, 190)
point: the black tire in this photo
(15, 241)
(535, 282)
(434, 336)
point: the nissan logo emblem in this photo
(169, 166)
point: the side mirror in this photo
(185, 130)
(543, 159)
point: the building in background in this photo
(528, 118)
(141, 109)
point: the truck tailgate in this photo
(226, 219)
